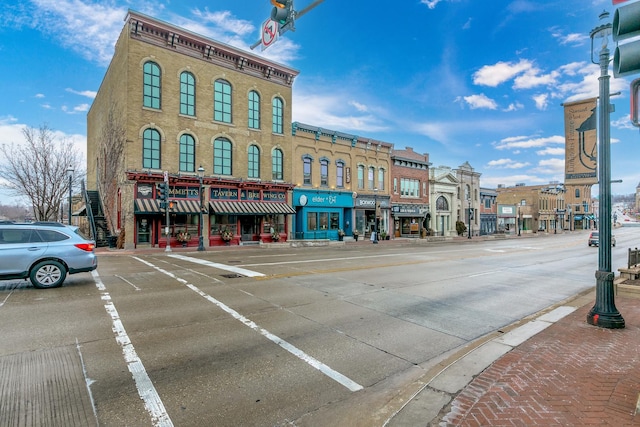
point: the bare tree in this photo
(37, 170)
(110, 149)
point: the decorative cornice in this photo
(168, 36)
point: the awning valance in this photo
(249, 208)
(179, 206)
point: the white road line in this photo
(146, 390)
(231, 268)
(126, 281)
(326, 370)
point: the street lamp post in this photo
(470, 214)
(604, 312)
(375, 214)
(200, 222)
(519, 220)
(70, 175)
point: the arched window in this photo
(324, 172)
(339, 174)
(253, 162)
(254, 110)
(380, 179)
(187, 153)
(306, 170)
(222, 101)
(442, 205)
(222, 158)
(361, 177)
(577, 193)
(187, 94)
(277, 116)
(151, 85)
(276, 164)
(371, 178)
(151, 149)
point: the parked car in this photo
(44, 252)
(594, 239)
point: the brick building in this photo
(339, 179)
(532, 209)
(173, 101)
(410, 192)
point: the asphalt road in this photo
(318, 336)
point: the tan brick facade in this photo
(175, 50)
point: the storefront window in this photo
(275, 222)
(334, 220)
(312, 222)
(324, 220)
(220, 223)
(182, 223)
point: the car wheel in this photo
(48, 274)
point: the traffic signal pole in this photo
(290, 19)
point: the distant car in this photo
(594, 239)
(44, 252)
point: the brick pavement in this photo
(570, 374)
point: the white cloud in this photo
(480, 101)
(329, 111)
(527, 142)
(551, 151)
(431, 4)
(494, 75)
(506, 164)
(88, 93)
(541, 100)
(514, 106)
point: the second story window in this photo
(361, 177)
(253, 163)
(254, 110)
(222, 158)
(409, 187)
(324, 172)
(370, 178)
(151, 85)
(187, 94)
(278, 116)
(151, 149)
(306, 170)
(339, 174)
(276, 165)
(222, 101)
(187, 153)
(380, 179)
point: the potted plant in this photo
(226, 235)
(356, 233)
(340, 234)
(383, 235)
(183, 237)
(275, 236)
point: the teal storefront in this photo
(320, 214)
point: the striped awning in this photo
(249, 208)
(179, 206)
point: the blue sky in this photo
(463, 80)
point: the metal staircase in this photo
(95, 214)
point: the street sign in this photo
(269, 33)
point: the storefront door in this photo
(249, 228)
(144, 231)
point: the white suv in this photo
(44, 252)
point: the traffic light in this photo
(162, 190)
(626, 24)
(283, 14)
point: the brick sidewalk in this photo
(570, 374)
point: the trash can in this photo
(113, 241)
